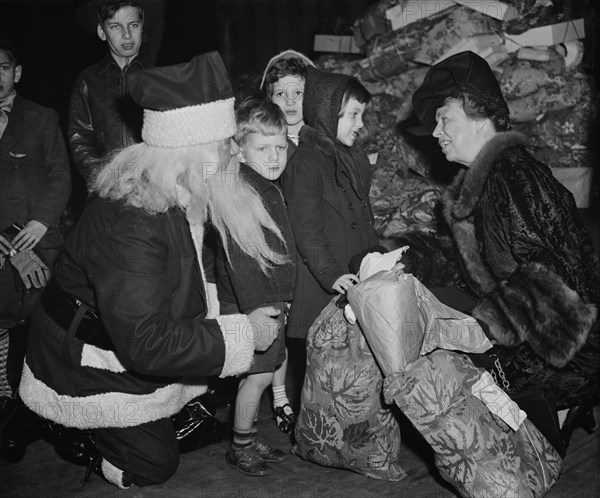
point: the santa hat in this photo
(185, 104)
(286, 54)
(463, 70)
(87, 15)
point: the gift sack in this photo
(343, 421)
(475, 450)
(402, 319)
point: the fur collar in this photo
(462, 196)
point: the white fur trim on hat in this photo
(191, 125)
(239, 344)
(286, 54)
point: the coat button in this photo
(364, 203)
(350, 206)
(369, 223)
(354, 226)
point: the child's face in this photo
(123, 32)
(287, 93)
(350, 122)
(267, 155)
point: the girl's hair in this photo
(292, 66)
(478, 105)
(354, 90)
(107, 11)
(258, 115)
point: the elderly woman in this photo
(521, 247)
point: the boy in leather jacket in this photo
(102, 116)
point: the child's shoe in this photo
(285, 418)
(247, 460)
(267, 452)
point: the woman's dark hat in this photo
(465, 69)
(87, 13)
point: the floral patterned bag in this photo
(343, 420)
(474, 449)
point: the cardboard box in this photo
(411, 11)
(545, 36)
(498, 10)
(336, 43)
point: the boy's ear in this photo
(240, 154)
(101, 33)
(18, 73)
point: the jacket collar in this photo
(18, 121)
(260, 183)
(462, 196)
(107, 61)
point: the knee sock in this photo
(279, 396)
(242, 438)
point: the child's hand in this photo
(345, 282)
(265, 326)
(6, 247)
(29, 237)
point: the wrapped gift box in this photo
(336, 43)
(411, 11)
(545, 36)
(498, 10)
(578, 181)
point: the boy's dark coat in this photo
(35, 180)
(252, 287)
(102, 115)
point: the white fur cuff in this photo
(192, 125)
(239, 344)
(112, 474)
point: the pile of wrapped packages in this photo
(536, 53)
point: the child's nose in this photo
(127, 33)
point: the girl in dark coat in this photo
(326, 186)
(522, 248)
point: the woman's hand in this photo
(345, 282)
(29, 237)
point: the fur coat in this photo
(528, 258)
(513, 238)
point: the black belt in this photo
(75, 316)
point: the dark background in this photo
(246, 32)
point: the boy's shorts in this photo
(269, 360)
